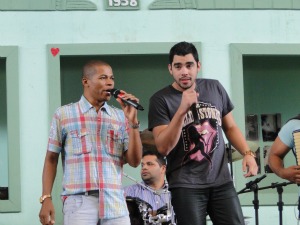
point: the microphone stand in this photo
(252, 185)
(279, 188)
(280, 203)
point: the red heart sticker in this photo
(54, 51)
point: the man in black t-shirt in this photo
(197, 166)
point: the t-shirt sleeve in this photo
(227, 104)
(158, 112)
(286, 132)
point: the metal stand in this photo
(280, 203)
(255, 202)
(252, 185)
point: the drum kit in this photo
(235, 155)
(142, 213)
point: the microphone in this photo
(257, 180)
(116, 93)
(195, 114)
(252, 184)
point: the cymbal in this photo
(237, 156)
(147, 137)
(148, 140)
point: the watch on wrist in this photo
(42, 198)
(249, 152)
(135, 126)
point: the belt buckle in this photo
(86, 193)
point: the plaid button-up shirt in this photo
(92, 146)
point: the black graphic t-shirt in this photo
(199, 158)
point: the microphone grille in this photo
(114, 92)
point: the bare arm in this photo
(236, 138)
(47, 212)
(166, 136)
(277, 153)
(133, 155)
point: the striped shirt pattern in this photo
(92, 146)
(155, 200)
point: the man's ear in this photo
(84, 81)
(170, 69)
(199, 66)
(164, 167)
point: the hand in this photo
(189, 97)
(249, 166)
(47, 213)
(129, 111)
(291, 173)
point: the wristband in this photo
(249, 152)
(42, 198)
(135, 126)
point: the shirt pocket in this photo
(81, 141)
(114, 143)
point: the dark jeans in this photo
(221, 203)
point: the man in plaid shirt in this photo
(95, 140)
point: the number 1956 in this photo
(120, 3)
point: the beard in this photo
(147, 180)
(184, 87)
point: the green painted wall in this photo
(9, 126)
(141, 75)
(97, 32)
(271, 85)
(3, 126)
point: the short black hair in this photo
(160, 158)
(183, 48)
(90, 67)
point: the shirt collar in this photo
(165, 186)
(85, 106)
